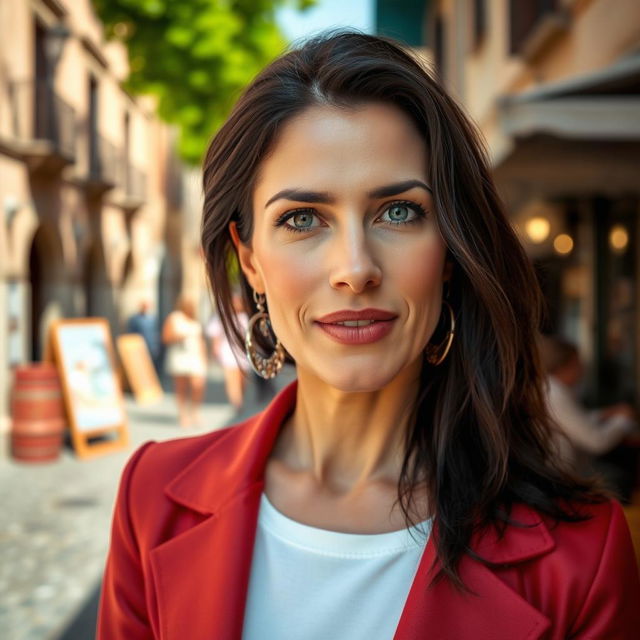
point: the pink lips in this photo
(362, 314)
(357, 335)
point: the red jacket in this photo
(185, 522)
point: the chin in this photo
(357, 380)
(359, 373)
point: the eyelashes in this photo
(420, 214)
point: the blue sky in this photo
(326, 14)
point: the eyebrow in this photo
(322, 197)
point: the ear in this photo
(246, 257)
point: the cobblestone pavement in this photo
(55, 520)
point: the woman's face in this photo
(343, 221)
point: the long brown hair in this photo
(480, 435)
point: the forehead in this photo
(336, 149)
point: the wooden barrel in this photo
(37, 413)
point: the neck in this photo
(346, 440)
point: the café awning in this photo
(577, 136)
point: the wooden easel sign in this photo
(83, 353)
(138, 368)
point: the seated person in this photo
(585, 434)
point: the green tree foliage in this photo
(194, 55)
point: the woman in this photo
(235, 365)
(402, 486)
(186, 359)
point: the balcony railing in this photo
(131, 184)
(134, 184)
(103, 163)
(38, 114)
(533, 23)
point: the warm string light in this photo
(618, 238)
(537, 228)
(563, 244)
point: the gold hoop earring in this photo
(432, 352)
(268, 367)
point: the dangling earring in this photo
(264, 367)
(432, 352)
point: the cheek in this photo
(419, 272)
(289, 277)
(419, 279)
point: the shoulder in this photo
(155, 464)
(595, 519)
(531, 534)
(214, 326)
(595, 565)
(580, 543)
(583, 572)
(198, 472)
(557, 391)
(172, 484)
(172, 317)
(601, 537)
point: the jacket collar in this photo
(218, 552)
(239, 458)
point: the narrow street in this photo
(54, 530)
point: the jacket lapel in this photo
(201, 575)
(497, 612)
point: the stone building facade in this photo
(91, 190)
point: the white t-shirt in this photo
(313, 584)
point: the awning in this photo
(574, 137)
(584, 118)
(603, 105)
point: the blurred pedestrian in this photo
(145, 323)
(232, 359)
(186, 359)
(584, 433)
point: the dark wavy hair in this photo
(480, 434)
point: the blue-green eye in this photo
(302, 220)
(297, 221)
(403, 213)
(399, 213)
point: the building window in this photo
(524, 17)
(43, 97)
(479, 21)
(94, 158)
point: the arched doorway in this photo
(129, 296)
(48, 296)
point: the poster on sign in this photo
(82, 350)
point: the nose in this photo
(354, 264)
